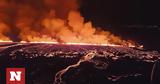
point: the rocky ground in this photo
(78, 64)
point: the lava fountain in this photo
(51, 21)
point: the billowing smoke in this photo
(4, 29)
(49, 21)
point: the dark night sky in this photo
(132, 19)
(122, 11)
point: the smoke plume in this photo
(49, 21)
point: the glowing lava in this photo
(55, 22)
(5, 41)
(58, 76)
(92, 44)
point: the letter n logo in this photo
(15, 76)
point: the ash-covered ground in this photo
(78, 64)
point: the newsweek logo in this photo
(15, 76)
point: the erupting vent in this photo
(51, 21)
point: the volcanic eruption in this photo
(47, 21)
(56, 44)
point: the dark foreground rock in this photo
(110, 65)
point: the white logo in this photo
(15, 76)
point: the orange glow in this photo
(3, 30)
(114, 45)
(91, 44)
(5, 41)
(62, 23)
(75, 32)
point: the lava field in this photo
(79, 64)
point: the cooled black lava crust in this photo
(110, 65)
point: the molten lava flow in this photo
(51, 21)
(5, 41)
(58, 76)
(91, 44)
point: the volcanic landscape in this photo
(47, 63)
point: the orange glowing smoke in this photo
(56, 21)
(3, 31)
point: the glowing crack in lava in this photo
(58, 76)
(77, 44)
(51, 21)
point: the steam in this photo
(49, 21)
